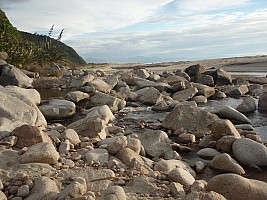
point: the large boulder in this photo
(195, 70)
(262, 104)
(155, 142)
(76, 96)
(100, 85)
(186, 94)
(235, 187)
(142, 73)
(141, 83)
(81, 81)
(247, 105)
(113, 193)
(190, 118)
(248, 152)
(113, 103)
(225, 163)
(221, 77)
(237, 90)
(17, 109)
(58, 109)
(222, 128)
(127, 155)
(43, 188)
(94, 123)
(227, 112)
(29, 135)
(204, 79)
(10, 75)
(172, 80)
(181, 176)
(204, 90)
(149, 95)
(41, 153)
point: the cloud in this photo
(81, 15)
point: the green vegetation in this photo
(33, 49)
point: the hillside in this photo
(26, 48)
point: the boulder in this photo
(181, 176)
(10, 75)
(247, 105)
(100, 156)
(16, 109)
(134, 144)
(149, 96)
(222, 127)
(2, 196)
(182, 74)
(113, 193)
(186, 94)
(235, 187)
(81, 81)
(184, 138)
(76, 96)
(237, 90)
(208, 153)
(43, 188)
(71, 135)
(98, 179)
(204, 90)
(94, 123)
(146, 83)
(155, 142)
(195, 70)
(225, 143)
(249, 152)
(113, 103)
(31, 94)
(207, 141)
(142, 73)
(73, 190)
(232, 114)
(221, 77)
(204, 195)
(99, 85)
(225, 163)
(41, 153)
(190, 118)
(172, 80)
(142, 185)
(126, 155)
(112, 80)
(204, 79)
(200, 99)
(262, 104)
(29, 135)
(166, 166)
(58, 109)
(118, 144)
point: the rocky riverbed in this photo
(125, 134)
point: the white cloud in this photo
(80, 15)
(191, 6)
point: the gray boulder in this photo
(237, 90)
(195, 70)
(186, 94)
(17, 109)
(113, 193)
(10, 75)
(141, 83)
(208, 153)
(262, 104)
(204, 79)
(247, 105)
(81, 81)
(232, 114)
(190, 118)
(235, 187)
(43, 188)
(204, 90)
(100, 85)
(222, 128)
(97, 156)
(42, 152)
(58, 109)
(225, 163)
(221, 77)
(149, 95)
(155, 142)
(113, 103)
(76, 96)
(94, 123)
(248, 152)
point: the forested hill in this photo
(26, 48)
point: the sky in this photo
(120, 31)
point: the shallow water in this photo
(255, 74)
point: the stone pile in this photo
(100, 155)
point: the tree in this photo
(60, 35)
(51, 30)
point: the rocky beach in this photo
(176, 130)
